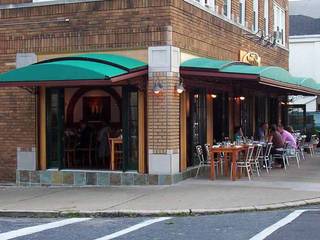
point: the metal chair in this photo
(218, 162)
(202, 160)
(291, 152)
(246, 163)
(282, 154)
(255, 158)
(265, 158)
(300, 148)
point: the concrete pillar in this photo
(163, 110)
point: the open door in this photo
(55, 127)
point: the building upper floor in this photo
(266, 18)
(56, 26)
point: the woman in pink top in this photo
(287, 137)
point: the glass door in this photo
(197, 124)
(55, 127)
(130, 128)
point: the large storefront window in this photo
(55, 127)
(220, 117)
(130, 128)
(92, 128)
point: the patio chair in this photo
(282, 154)
(291, 152)
(246, 162)
(255, 159)
(310, 145)
(300, 148)
(218, 162)
(265, 157)
(202, 160)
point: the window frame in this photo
(255, 25)
(227, 12)
(242, 12)
(279, 23)
(266, 16)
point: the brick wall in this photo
(163, 114)
(218, 39)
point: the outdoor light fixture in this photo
(180, 88)
(213, 95)
(157, 88)
(242, 98)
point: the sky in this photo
(309, 8)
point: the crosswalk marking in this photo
(284, 221)
(133, 228)
(39, 228)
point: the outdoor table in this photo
(234, 151)
(114, 151)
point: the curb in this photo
(156, 213)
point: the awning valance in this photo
(270, 75)
(75, 69)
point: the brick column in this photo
(163, 111)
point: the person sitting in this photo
(103, 144)
(277, 142)
(261, 132)
(238, 133)
(84, 135)
(287, 136)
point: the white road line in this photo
(39, 228)
(133, 228)
(269, 230)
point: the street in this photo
(281, 224)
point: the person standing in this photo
(103, 144)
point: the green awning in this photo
(84, 67)
(277, 74)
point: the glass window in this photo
(227, 8)
(255, 15)
(242, 11)
(266, 17)
(43, 1)
(279, 24)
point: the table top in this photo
(226, 148)
(116, 140)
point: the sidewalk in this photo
(296, 187)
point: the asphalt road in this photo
(284, 224)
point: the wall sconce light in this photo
(213, 95)
(242, 98)
(157, 88)
(180, 88)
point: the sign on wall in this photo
(252, 58)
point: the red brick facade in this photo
(105, 25)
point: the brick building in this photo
(144, 47)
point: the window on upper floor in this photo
(207, 3)
(279, 24)
(42, 0)
(227, 8)
(255, 15)
(266, 17)
(242, 12)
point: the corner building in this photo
(119, 62)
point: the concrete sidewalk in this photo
(296, 187)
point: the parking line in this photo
(39, 228)
(133, 228)
(269, 230)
